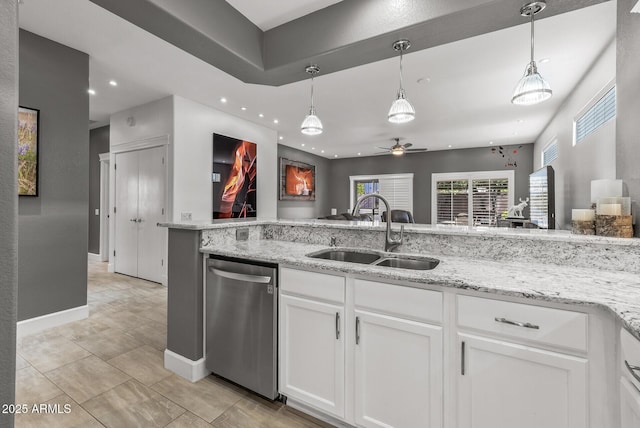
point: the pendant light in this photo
(401, 110)
(311, 124)
(532, 88)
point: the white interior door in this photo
(126, 213)
(151, 211)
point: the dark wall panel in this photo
(53, 229)
(422, 165)
(98, 144)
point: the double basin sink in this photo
(376, 258)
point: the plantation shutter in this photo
(490, 200)
(600, 113)
(452, 200)
(398, 191)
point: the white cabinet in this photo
(311, 340)
(398, 372)
(629, 404)
(505, 385)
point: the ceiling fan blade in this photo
(382, 153)
(407, 145)
(384, 148)
(416, 150)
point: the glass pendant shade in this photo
(401, 110)
(532, 88)
(311, 125)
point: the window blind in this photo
(398, 191)
(550, 153)
(490, 200)
(452, 201)
(601, 112)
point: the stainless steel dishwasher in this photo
(241, 324)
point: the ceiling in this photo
(267, 14)
(461, 90)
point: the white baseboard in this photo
(111, 268)
(37, 324)
(94, 257)
(191, 370)
(316, 413)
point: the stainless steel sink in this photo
(352, 256)
(376, 258)
(405, 262)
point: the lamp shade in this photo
(401, 110)
(532, 88)
(311, 125)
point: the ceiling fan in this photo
(399, 149)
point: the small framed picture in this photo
(28, 148)
(297, 180)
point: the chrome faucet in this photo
(390, 243)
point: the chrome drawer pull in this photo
(517, 323)
(633, 370)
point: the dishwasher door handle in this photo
(241, 276)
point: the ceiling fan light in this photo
(397, 151)
(401, 110)
(532, 88)
(311, 125)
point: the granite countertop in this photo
(503, 232)
(618, 292)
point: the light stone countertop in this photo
(618, 292)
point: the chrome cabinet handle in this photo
(357, 330)
(462, 357)
(241, 276)
(633, 370)
(337, 326)
(517, 323)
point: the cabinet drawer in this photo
(630, 357)
(311, 284)
(400, 301)
(549, 326)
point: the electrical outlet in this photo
(97, 212)
(242, 234)
(185, 217)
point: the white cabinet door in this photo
(312, 353)
(151, 204)
(504, 385)
(126, 215)
(398, 372)
(629, 405)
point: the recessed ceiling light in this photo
(335, 156)
(243, 108)
(302, 144)
(515, 133)
(491, 142)
(449, 145)
(544, 60)
(275, 121)
(113, 83)
(223, 100)
(423, 80)
(91, 91)
(261, 115)
(321, 151)
(359, 153)
(281, 137)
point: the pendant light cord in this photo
(401, 89)
(312, 92)
(531, 11)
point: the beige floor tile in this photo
(47, 352)
(80, 329)
(21, 363)
(154, 335)
(109, 343)
(123, 320)
(144, 364)
(188, 420)
(87, 378)
(61, 412)
(132, 404)
(255, 412)
(205, 398)
(33, 387)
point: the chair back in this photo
(399, 216)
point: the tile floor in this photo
(108, 370)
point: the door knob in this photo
(133, 220)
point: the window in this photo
(396, 188)
(471, 198)
(550, 153)
(595, 114)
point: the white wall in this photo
(195, 125)
(591, 159)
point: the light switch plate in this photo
(185, 216)
(97, 212)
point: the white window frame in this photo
(509, 174)
(551, 142)
(354, 178)
(597, 97)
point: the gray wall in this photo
(98, 143)
(422, 165)
(307, 209)
(8, 202)
(628, 101)
(52, 232)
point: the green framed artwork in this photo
(28, 147)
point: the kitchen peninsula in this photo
(582, 292)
